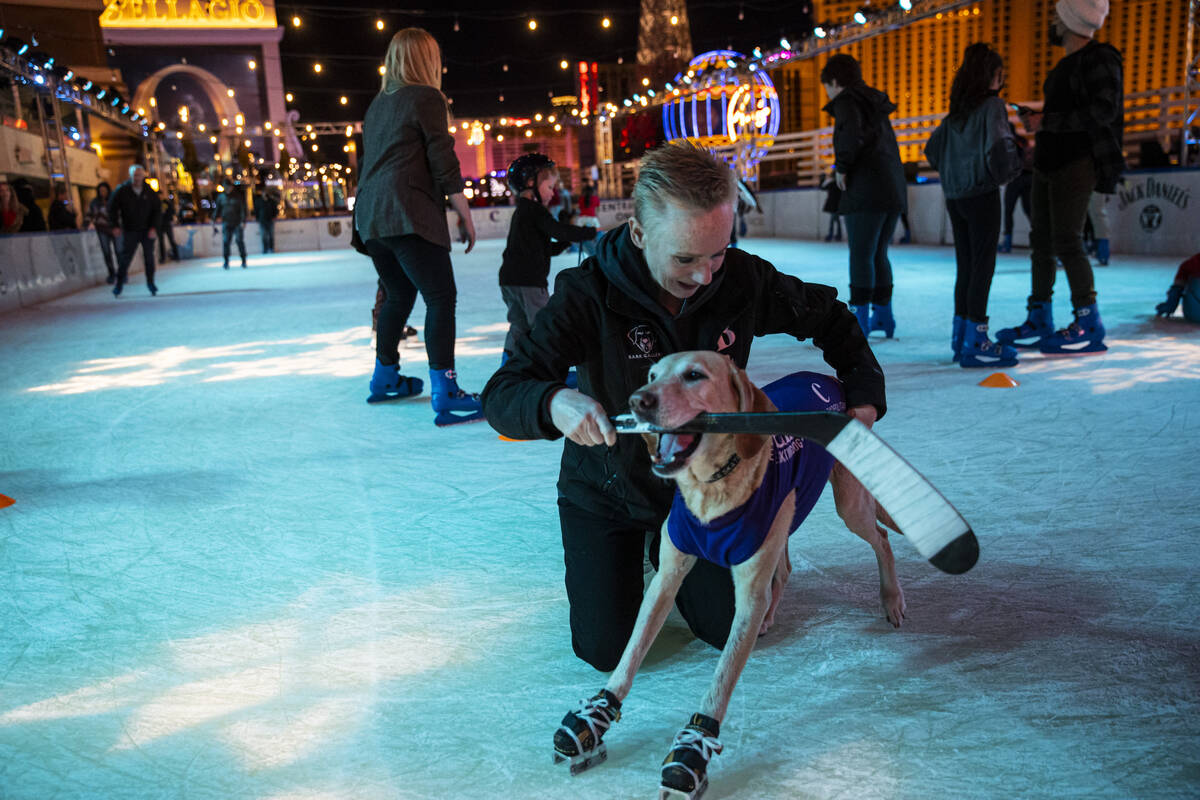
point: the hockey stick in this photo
(923, 515)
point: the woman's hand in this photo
(581, 419)
(459, 202)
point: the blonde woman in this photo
(408, 170)
(12, 213)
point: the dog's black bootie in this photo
(685, 769)
(578, 738)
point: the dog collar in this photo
(724, 471)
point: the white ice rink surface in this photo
(226, 576)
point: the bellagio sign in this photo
(188, 14)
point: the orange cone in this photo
(6, 501)
(998, 380)
(504, 438)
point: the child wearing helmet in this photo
(534, 235)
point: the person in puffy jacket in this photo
(871, 177)
(975, 153)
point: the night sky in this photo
(345, 40)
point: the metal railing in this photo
(1156, 115)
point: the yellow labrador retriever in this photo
(720, 476)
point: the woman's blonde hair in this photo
(413, 57)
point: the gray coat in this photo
(976, 154)
(408, 167)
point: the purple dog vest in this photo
(794, 464)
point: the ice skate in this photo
(388, 384)
(578, 738)
(685, 769)
(452, 406)
(1083, 336)
(1037, 326)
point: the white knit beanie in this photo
(1083, 17)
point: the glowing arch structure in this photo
(723, 101)
(213, 87)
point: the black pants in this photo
(1017, 190)
(976, 225)
(407, 265)
(604, 560)
(868, 234)
(167, 233)
(230, 232)
(1060, 206)
(108, 246)
(128, 246)
(267, 230)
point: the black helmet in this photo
(523, 172)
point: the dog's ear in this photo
(750, 398)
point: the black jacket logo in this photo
(642, 338)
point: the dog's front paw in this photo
(893, 604)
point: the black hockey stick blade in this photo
(924, 516)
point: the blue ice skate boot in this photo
(1037, 326)
(685, 769)
(1084, 335)
(451, 405)
(956, 335)
(882, 320)
(1102, 252)
(1005, 245)
(388, 384)
(863, 313)
(1168, 306)
(979, 351)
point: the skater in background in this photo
(533, 237)
(1078, 151)
(12, 212)
(975, 153)
(833, 196)
(133, 210)
(97, 217)
(1017, 190)
(408, 168)
(35, 221)
(266, 211)
(231, 213)
(166, 229)
(1185, 287)
(871, 177)
(589, 209)
(61, 217)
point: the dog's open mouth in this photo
(674, 450)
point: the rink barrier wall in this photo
(1152, 213)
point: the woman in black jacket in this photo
(409, 168)
(871, 177)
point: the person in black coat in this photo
(231, 211)
(134, 211)
(266, 209)
(408, 169)
(665, 282)
(97, 217)
(35, 221)
(61, 217)
(166, 229)
(871, 177)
